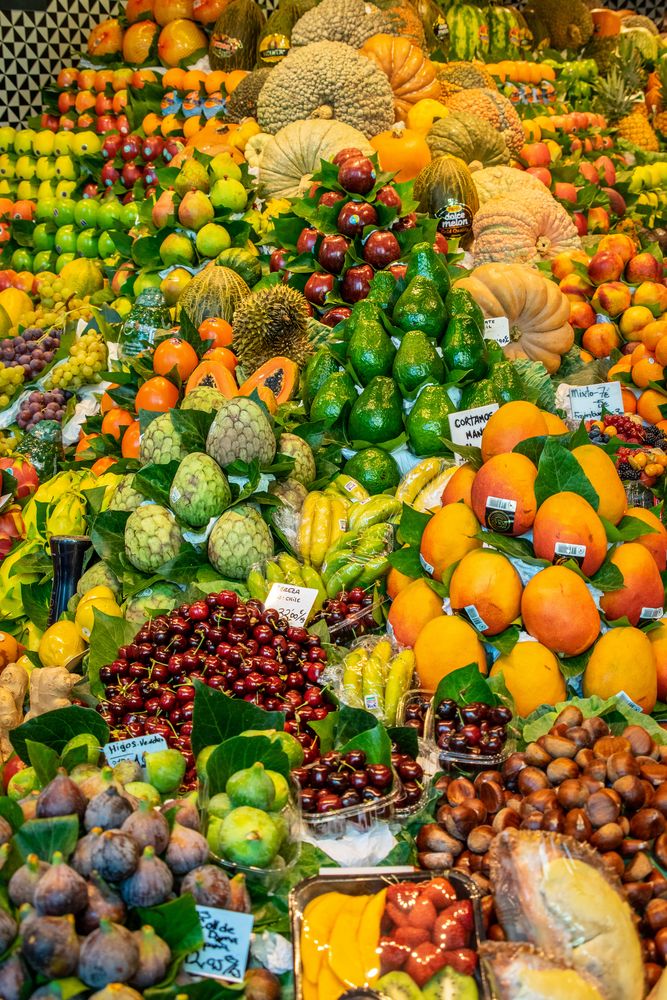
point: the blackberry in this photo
(625, 471)
(653, 436)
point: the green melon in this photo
(215, 292)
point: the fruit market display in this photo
(333, 445)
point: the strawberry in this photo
(440, 892)
(449, 933)
(423, 914)
(460, 911)
(424, 962)
(463, 960)
(411, 935)
(393, 955)
(398, 917)
(403, 895)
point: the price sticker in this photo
(133, 749)
(295, 603)
(224, 954)
(466, 426)
(497, 328)
(588, 401)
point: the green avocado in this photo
(459, 302)
(384, 290)
(427, 263)
(377, 414)
(417, 361)
(420, 307)
(464, 347)
(370, 351)
(506, 382)
(320, 366)
(332, 397)
(428, 421)
(478, 394)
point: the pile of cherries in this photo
(340, 781)
(416, 710)
(234, 646)
(476, 729)
(348, 615)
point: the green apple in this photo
(143, 281)
(62, 143)
(46, 168)
(86, 212)
(63, 211)
(7, 136)
(23, 141)
(224, 165)
(64, 258)
(176, 248)
(43, 236)
(45, 209)
(25, 167)
(65, 241)
(212, 239)
(229, 194)
(105, 245)
(45, 260)
(46, 190)
(22, 260)
(27, 190)
(86, 243)
(66, 168)
(7, 166)
(86, 144)
(129, 215)
(122, 306)
(65, 189)
(109, 214)
(44, 142)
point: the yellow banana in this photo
(338, 519)
(306, 523)
(430, 497)
(319, 539)
(348, 487)
(353, 667)
(414, 481)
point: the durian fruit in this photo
(602, 50)
(272, 322)
(243, 101)
(569, 25)
(640, 21)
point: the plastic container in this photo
(409, 698)
(353, 820)
(466, 764)
(360, 885)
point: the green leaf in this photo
(241, 752)
(627, 530)
(154, 481)
(217, 717)
(411, 526)
(44, 760)
(374, 742)
(574, 666)
(108, 634)
(470, 453)
(36, 598)
(44, 837)
(515, 548)
(12, 812)
(505, 641)
(55, 729)
(406, 560)
(532, 448)
(608, 577)
(177, 923)
(465, 685)
(108, 537)
(325, 730)
(405, 738)
(558, 472)
(193, 426)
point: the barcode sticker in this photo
(568, 550)
(499, 514)
(350, 485)
(371, 702)
(652, 614)
(475, 618)
(499, 503)
(427, 566)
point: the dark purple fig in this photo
(208, 885)
(81, 861)
(60, 890)
(186, 812)
(150, 884)
(12, 978)
(154, 958)
(109, 810)
(108, 955)
(187, 849)
(240, 897)
(260, 984)
(61, 797)
(6, 832)
(50, 945)
(22, 883)
(116, 991)
(103, 904)
(115, 855)
(148, 827)
(126, 771)
(8, 929)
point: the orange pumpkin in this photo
(411, 74)
(402, 150)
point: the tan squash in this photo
(494, 182)
(535, 307)
(525, 228)
(411, 74)
(470, 138)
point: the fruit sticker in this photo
(273, 48)
(497, 328)
(568, 550)
(224, 954)
(499, 514)
(440, 27)
(225, 46)
(454, 219)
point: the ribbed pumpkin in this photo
(411, 75)
(215, 292)
(470, 138)
(526, 229)
(402, 151)
(495, 108)
(492, 182)
(445, 182)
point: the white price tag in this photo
(133, 749)
(466, 426)
(497, 328)
(294, 603)
(588, 401)
(224, 954)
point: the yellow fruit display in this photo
(532, 675)
(623, 660)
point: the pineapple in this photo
(660, 119)
(625, 110)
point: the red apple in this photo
(598, 220)
(390, 197)
(536, 154)
(308, 237)
(381, 248)
(542, 174)
(152, 147)
(318, 286)
(331, 254)
(405, 222)
(110, 146)
(150, 177)
(357, 174)
(103, 104)
(566, 192)
(605, 265)
(580, 222)
(345, 154)
(123, 125)
(171, 148)
(354, 216)
(109, 175)
(356, 283)
(130, 174)
(91, 190)
(13, 765)
(278, 260)
(130, 148)
(330, 198)
(335, 315)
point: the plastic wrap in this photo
(521, 972)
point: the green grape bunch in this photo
(11, 380)
(87, 358)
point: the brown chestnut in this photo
(614, 862)
(661, 944)
(658, 884)
(480, 839)
(558, 746)
(620, 764)
(537, 756)
(597, 770)
(660, 850)
(585, 757)
(652, 972)
(479, 809)
(435, 860)
(485, 776)
(533, 821)
(543, 799)
(460, 821)
(573, 794)
(553, 820)
(596, 726)
(656, 915)
(578, 825)
(496, 933)
(512, 767)
(505, 819)
(659, 799)
(433, 839)
(459, 790)
(580, 737)
(637, 894)
(570, 716)
(631, 791)
(607, 838)
(531, 780)
(638, 869)
(647, 824)
(607, 745)
(641, 741)
(491, 795)
(655, 773)
(560, 769)
(632, 846)
(601, 808)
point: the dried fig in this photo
(60, 890)
(108, 955)
(260, 984)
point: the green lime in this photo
(375, 469)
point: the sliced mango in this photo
(319, 917)
(369, 937)
(329, 985)
(309, 990)
(344, 954)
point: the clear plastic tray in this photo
(364, 884)
(452, 762)
(412, 695)
(353, 820)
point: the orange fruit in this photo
(107, 403)
(648, 406)
(224, 356)
(215, 81)
(503, 494)
(175, 353)
(218, 330)
(623, 364)
(630, 404)
(645, 371)
(566, 519)
(486, 586)
(459, 486)
(396, 581)
(411, 610)
(448, 536)
(656, 540)
(661, 351)
(99, 467)
(640, 352)
(653, 333)
(510, 424)
(157, 394)
(130, 444)
(192, 125)
(601, 474)
(151, 123)
(558, 610)
(445, 644)
(642, 587)
(193, 79)
(9, 649)
(555, 425)
(623, 660)
(115, 421)
(532, 675)
(173, 79)
(658, 640)
(82, 446)
(601, 339)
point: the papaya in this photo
(215, 375)
(280, 375)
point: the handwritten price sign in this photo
(588, 401)
(133, 749)
(224, 954)
(292, 602)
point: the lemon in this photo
(97, 593)
(59, 644)
(85, 614)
